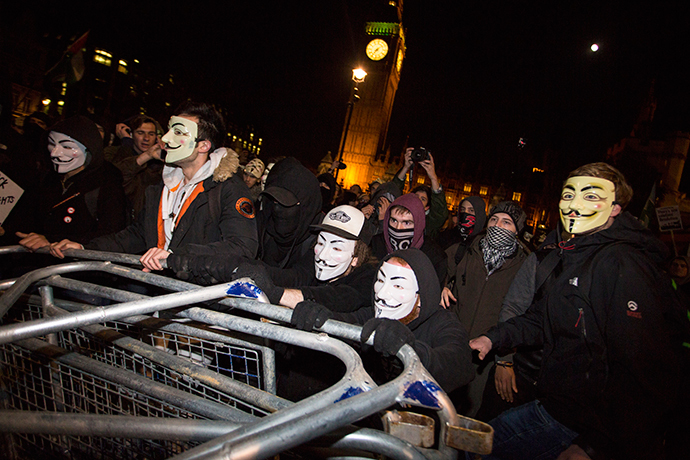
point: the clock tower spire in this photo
(365, 136)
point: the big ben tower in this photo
(382, 48)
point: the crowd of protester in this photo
(575, 349)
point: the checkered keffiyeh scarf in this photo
(498, 244)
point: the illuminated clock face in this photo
(377, 49)
(398, 62)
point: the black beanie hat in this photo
(514, 211)
(85, 131)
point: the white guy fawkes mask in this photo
(67, 154)
(333, 255)
(586, 203)
(395, 291)
(180, 140)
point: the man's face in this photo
(586, 203)
(503, 220)
(424, 197)
(67, 154)
(401, 220)
(467, 207)
(679, 268)
(249, 179)
(180, 140)
(395, 291)
(144, 137)
(333, 255)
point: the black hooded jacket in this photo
(88, 204)
(608, 329)
(284, 237)
(440, 340)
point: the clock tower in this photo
(382, 53)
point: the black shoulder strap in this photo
(546, 266)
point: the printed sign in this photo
(669, 218)
(9, 195)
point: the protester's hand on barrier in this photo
(447, 298)
(390, 335)
(57, 248)
(151, 259)
(188, 268)
(482, 344)
(261, 278)
(505, 382)
(309, 314)
(32, 241)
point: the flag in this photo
(70, 68)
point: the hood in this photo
(86, 132)
(429, 288)
(411, 202)
(625, 229)
(387, 189)
(222, 164)
(479, 213)
(290, 175)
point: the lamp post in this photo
(358, 76)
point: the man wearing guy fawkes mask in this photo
(610, 330)
(404, 310)
(478, 284)
(83, 196)
(201, 208)
(337, 274)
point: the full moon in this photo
(594, 47)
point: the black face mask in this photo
(283, 222)
(326, 196)
(466, 224)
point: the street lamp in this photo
(358, 76)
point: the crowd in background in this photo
(391, 257)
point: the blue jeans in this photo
(528, 432)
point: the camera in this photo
(419, 154)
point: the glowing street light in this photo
(358, 76)
(594, 47)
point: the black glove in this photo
(262, 280)
(204, 270)
(390, 336)
(308, 314)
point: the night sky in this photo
(478, 75)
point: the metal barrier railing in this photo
(174, 370)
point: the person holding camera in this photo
(433, 197)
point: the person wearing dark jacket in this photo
(202, 208)
(83, 197)
(403, 227)
(289, 204)
(136, 158)
(405, 310)
(607, 325)
(336, 274)
(471, 221)
(479, 283)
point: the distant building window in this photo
(122, 67)
(102, 57)
(483, 190)
(468, 188)
(517, 196)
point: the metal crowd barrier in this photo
(79, 380)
